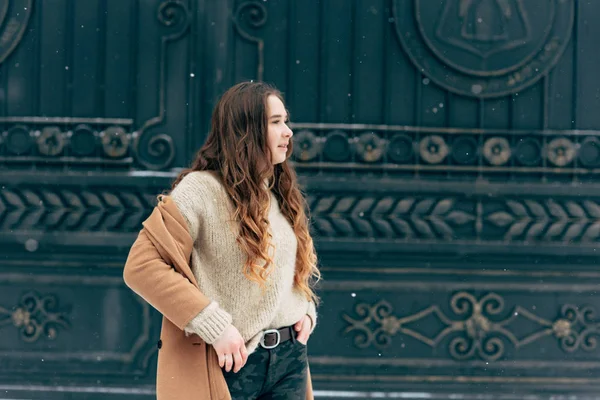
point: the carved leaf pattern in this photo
(556, 210)
(83, 210)
(517, 208)
(592, 232)
(592, 208)
(550, 220)
(501, 218)
(459, 217)
(415, 218)
(422, 218)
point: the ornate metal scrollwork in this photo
(484, 331)
(174, 14)
(36, 316)
(254, 14)
(152, 149)
(572, 339)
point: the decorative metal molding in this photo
(549, 220)
(499, 366)
(97, 141)
(254, 14)
(14, 18)
(73, 209)
(442, 218)
(387, 148)
(483, 332)
(65, 143)
(387, 217)
(542, 383)
(66, 121)
(36, 316)
(156, 150)
(456, 44)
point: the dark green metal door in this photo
(449, 150)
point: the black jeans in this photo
(278, 373)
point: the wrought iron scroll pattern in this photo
(254, 14)
(36, 316)
(483, 332)
(154, 150)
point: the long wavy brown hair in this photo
(236, 148)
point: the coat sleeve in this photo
(165, 289)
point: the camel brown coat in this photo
(158, 269)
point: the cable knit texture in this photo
(217, 263)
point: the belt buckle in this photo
(262, 339)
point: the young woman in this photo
(251, 256)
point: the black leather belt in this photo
(272, 338)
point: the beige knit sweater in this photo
(217, 263)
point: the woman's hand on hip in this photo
(303, 328)
(231, 349)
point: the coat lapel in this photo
(169, 232)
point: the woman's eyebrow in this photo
(275, 116)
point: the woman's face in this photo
(278, 133)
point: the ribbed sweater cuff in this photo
(210, 323)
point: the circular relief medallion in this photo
(306, 145)
(14, 16)
(484, 48)
(433, 149)
(400, 149)
(561, 151)
(497, 151)
(337, 147)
